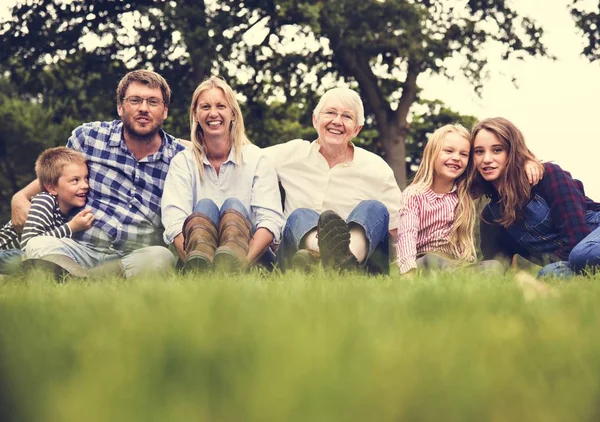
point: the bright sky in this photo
(554, 104)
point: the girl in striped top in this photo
(437, 213)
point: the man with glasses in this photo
(128, 161)
(341, 201)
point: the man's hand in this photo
(82, 221)
(19, 208)
(20, 204)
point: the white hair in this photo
(348, 98)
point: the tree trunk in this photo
(393, 139)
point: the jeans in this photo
(371, 215)
(208, 208)
(440, 261)
(10, 260)
(585, 254)
(151, 259)
(211, 210)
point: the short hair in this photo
(145, 77)
(349, 98)
(49, 165)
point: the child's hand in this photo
(82, 221)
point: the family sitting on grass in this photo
(217, 200)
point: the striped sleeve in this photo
(408, 229)
(42, 220)
(9, 238)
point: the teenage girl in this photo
(552, 224)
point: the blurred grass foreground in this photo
(298, 347)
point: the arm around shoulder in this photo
(21, 202)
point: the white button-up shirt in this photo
(309, 182)
(253, 182)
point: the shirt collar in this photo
(431, 195)
(231, 157)
(165, 153)
(316, 147)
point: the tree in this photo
(27, 129)
(588, 23)
(287, 50)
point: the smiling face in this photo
(453, 158)
(142, 121)
(336, 124)
(490, 156)
(72, 187)
(213, 113)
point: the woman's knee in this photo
(234, 204)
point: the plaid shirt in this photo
(124, 193)
(568, 206)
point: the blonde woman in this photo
(221, 204)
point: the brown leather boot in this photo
(199, 241)
(234, 239)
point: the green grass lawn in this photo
(320, 347)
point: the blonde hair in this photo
(51, 162)
(461, 233)
(348, 98)
(514, 189)
(237, 131)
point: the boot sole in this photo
(197, 262)
(333, 240)
(226, 260)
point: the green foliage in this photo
(266, 49)
(27, 129)
(299, 348)
(588, 22)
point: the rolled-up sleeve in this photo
(408, 230)
(177, 199)
(265, 202)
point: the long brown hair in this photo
(514, 189)
(461, 234)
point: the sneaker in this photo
(304, 260)
(333, 236)
(61, 266)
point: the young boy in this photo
(56, 211)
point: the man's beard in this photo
(146, 135)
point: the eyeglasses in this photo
(345, 116)
(137, 101)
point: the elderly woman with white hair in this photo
(341, 201)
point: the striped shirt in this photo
(124, 193)
(426, 219)
(44, 219)
(9, 238)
